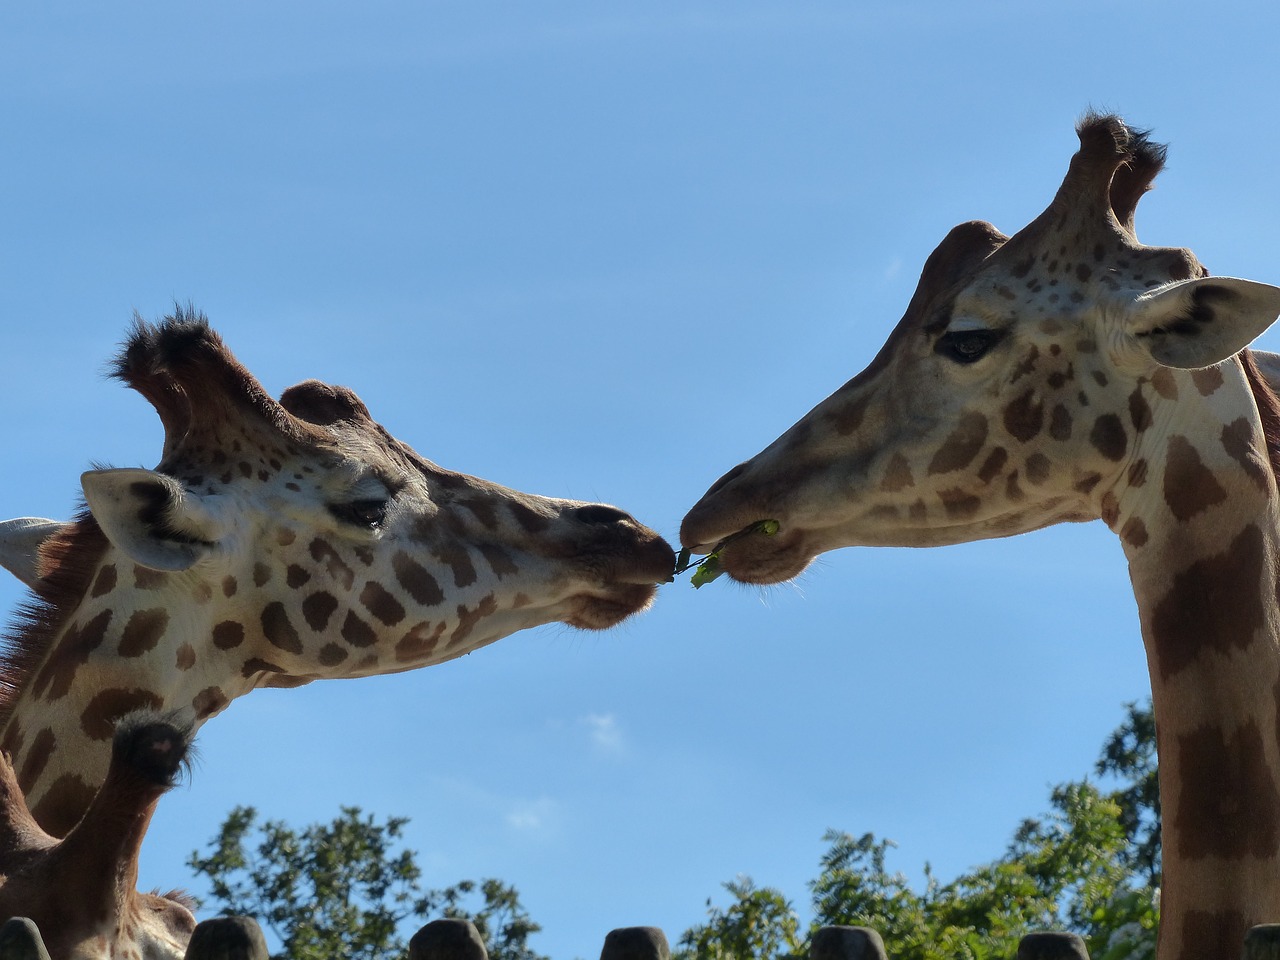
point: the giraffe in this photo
(277, 543)
(81, 890)
(1068, 373)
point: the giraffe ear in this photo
(1197, 323)
(20, 542)
(151, 517)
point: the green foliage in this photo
(341, 890)
(1086, 866)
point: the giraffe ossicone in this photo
(1069, 373)
(277, 542)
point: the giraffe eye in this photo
(967, 346)
(362, 513)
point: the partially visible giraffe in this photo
(1069, 373)
(81, 891)
(277, 542)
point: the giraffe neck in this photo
(1202, 536)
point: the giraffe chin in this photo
(762, 560)
(596, 612)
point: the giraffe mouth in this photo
(762, 552)
(625, 584)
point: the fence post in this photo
(636, 943)
(448, 939)
(1052, 946)
(20, 940)
(847, 943)
(227, 938)
(1262, 942)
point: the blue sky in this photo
(606, 251)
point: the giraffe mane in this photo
(67, 560)
(1268, 408)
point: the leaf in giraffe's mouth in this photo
(708, 568)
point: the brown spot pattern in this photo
(959, 504)
(331, 654)
(105, 581)
(378, 601)
(1212, 605)
(1229, 808)
(322, 552)
(994, 463)
(897, 475)
(1138, 472)
(261, 574)
(530, 520)
(55, 677)
(1108, 437)
(1237, 440)
(849, 417)
(499, 560)
(38, 757)
(186, 658)
(1189, 486)
(1207, 380)
(419, 643)
(467, 619)
(229, 586)
(1037, 468)
(318, 608)
(209, 701)
(61, 808)
(454, 555)
(143, 631)
(228, 635)
(277, 628)
(357, 633)
(1134, 532)
(1060, 423)
(1139, 410)
(296, 576)
(962, 446)
(98, 721)
(1165, 383)
(1024, 416)
(417, 582)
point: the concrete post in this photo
(636, 943)
(847, 943)
(20, 940)
(227, 938)
(1262, 942)
(1052, 946)
(448, 939)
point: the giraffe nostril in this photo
(599, 513)
(728, 478)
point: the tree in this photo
(1090, 865)
(341, 889)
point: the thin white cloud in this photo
(605, 734)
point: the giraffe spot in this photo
(228, 635)
(1060, 423)
(98, 721)
(918, 512)
(1108, 437)
(264, 476)
(277, 628)
(1027, 365)
(1238, 441)
(499, 560)
(1110, 507)
(483, 511)
(417, 582)
(1212, 605)
(897, 475)
(318, 608)
(364, 555)
(261, 574)
(962, 446)
(38, 756)
(14, 738)
(332, 654)
(883, 512)
(849, 417)
(209, 701)
(145, 579)
(186, 657)
(357, 633)
(530, 520)
(143, 631)
(959, 504)
(1100, 378)
(380, 602)
(229, 586)
(246, 471)
(286, 537)
(63, 804)
(322, 552)
(1086, 483)
(1139, 410)
(1082, 398)
(1138, 471)
(1083, 272)
(467, 619)
(1134, 532)
(1165, 383)
(58, 672)
(1189, 486)
(105, 581)
(1024, 416)
(1208, 933)
(1012, 489)
(454, 555)
(1207, 381)
(419, 643)
(992, 466)
(1037, 468)
(296, 576)
(254, 666)
(1229, 808)
(293, 486)
(1060, 378)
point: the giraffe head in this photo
(276, 542)
(1012, 393)
(81, 890)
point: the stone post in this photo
(847, 943)
(1052, 946)
(636, 943)
(20, 940)
(227, 938)
(1262, 942)
(448, 939)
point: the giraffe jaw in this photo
(625, 583)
